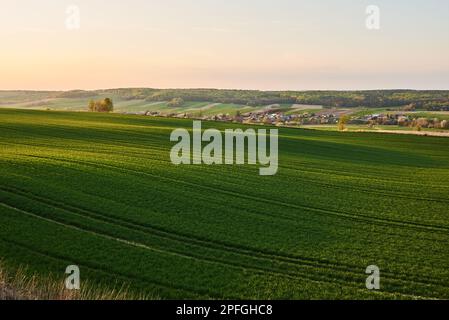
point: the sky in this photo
(242, 44)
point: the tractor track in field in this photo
(368, 191)
(159, 285)
(96, 268)
(248, 253)
(257, 213)
(287, 219)
(206, 244)
(391, 194)
(398, 179)
(341, 214)
(284, 218)
(344, 172)
(250, 210)
(107, 147)
(227, 265)
(160, 251)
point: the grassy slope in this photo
(99, 191)
(42, 101)
(121, 106)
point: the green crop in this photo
(99, 191)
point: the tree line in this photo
(429, 100)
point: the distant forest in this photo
(430, 100)
(419, 99)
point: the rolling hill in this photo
(99, 191)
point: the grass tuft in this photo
(20, 285)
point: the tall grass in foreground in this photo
(20, 285)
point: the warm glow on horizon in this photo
(282, 44)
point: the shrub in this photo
(105, 105)
(176, 103)
(422, 122)
(342, 123)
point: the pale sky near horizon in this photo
(243, 44)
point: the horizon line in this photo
(215, 88)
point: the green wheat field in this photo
(99, 191)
